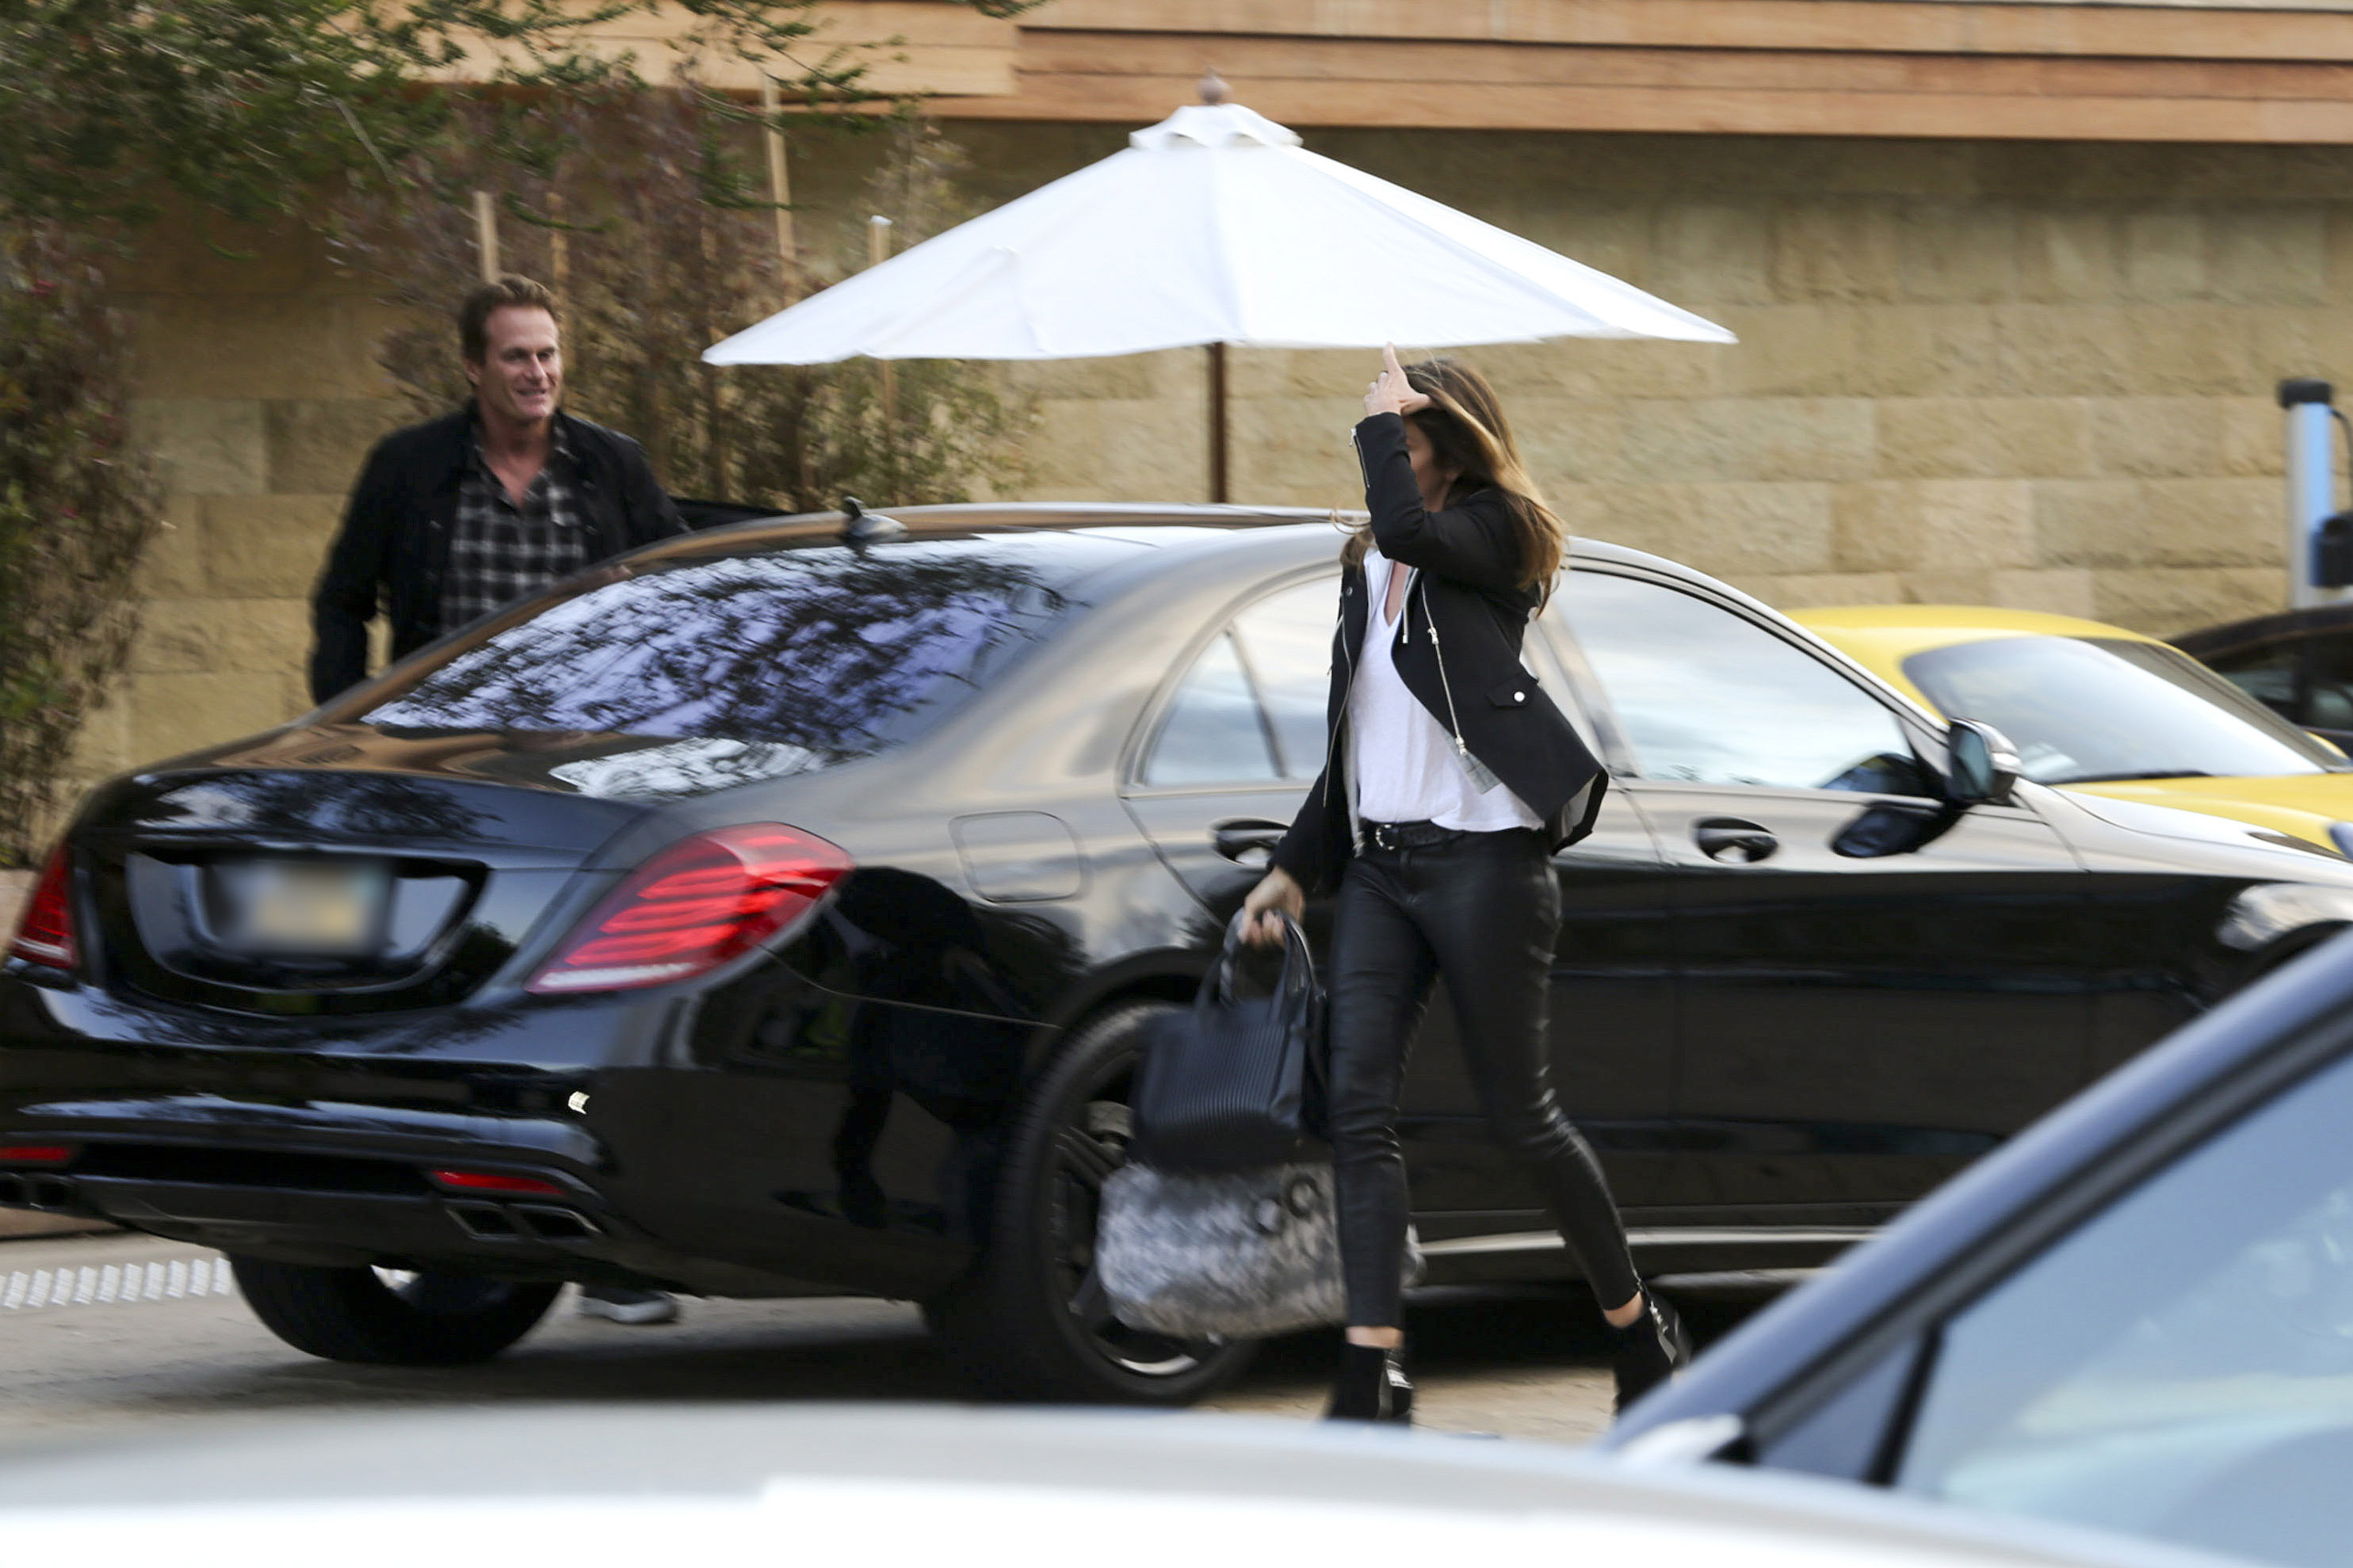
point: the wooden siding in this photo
(2163, 72)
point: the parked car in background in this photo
(778, 910)
(2137, 1317)
(2299, 664)
(2106, 714)
(612, 1485)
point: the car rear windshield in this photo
(835, 653)
(2084, 710)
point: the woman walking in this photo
(1448, 779)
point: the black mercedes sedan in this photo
(776, 910)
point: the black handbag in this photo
(1230, 1084)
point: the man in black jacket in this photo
(465, 514)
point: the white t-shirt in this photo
(1402, 759)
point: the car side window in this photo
(2265, 672)
(1251, 711)
(2179, 1365)
(1286, 643)
(2332, 683)
(1215, 731)
(1706, 695)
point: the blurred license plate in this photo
(310, 906)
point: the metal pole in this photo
(1218, 469)
(2311, 484)
(486, 236)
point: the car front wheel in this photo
(1030, 1321)
(388, 1318)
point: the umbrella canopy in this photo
(1214, 227)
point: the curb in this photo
(23, 1225)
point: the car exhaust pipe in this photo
(550, 1224)
(55, 1193)
(484, 1222)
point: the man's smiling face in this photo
(521, 375)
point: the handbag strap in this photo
(1295, 985)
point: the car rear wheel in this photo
(392, 1319)
(1030, 1322)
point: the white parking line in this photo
(24, 1291)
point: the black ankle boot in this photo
(1650, 1349)
(1372, 1387)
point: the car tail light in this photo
(694, 907)
(494, 1181)
(35, 1153)
(46, 934)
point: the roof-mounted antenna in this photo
(1212, 88)
(861, 528)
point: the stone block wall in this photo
(2014, 373)
(2011, 373)
(258, 395)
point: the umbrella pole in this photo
(1218, 424)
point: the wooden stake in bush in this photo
(780, 192)
(486, 235)
(878, 250)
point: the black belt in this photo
(1393, 836)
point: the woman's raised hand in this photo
(1390, 392)
(1275, 896)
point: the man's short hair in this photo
(474, 315)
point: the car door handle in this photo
(1248, 841)
(1730, 840)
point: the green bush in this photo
(78, 504)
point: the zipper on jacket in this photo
(1453, 719)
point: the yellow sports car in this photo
(2100, 711)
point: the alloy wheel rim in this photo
(1088, 1147)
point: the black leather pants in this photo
(1482, 911)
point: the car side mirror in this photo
(1984, 764)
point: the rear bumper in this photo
(312, 1142)
(303, 1186)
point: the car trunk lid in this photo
(268, 885)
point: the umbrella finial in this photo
(1213, 87)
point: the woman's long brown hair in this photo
(1467, 429)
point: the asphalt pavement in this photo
(110, 1335)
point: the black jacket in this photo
(1460, 630)
(394, 543)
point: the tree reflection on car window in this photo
(836, 652)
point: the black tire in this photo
(358, 1314)
(1027, 1323)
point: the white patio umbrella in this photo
(1215, 227)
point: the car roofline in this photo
(2262, 628)
(963, 516)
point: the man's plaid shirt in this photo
(500, 552)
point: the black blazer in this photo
(1462, 629)
(394, 543)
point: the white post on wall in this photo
(2311, 489)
